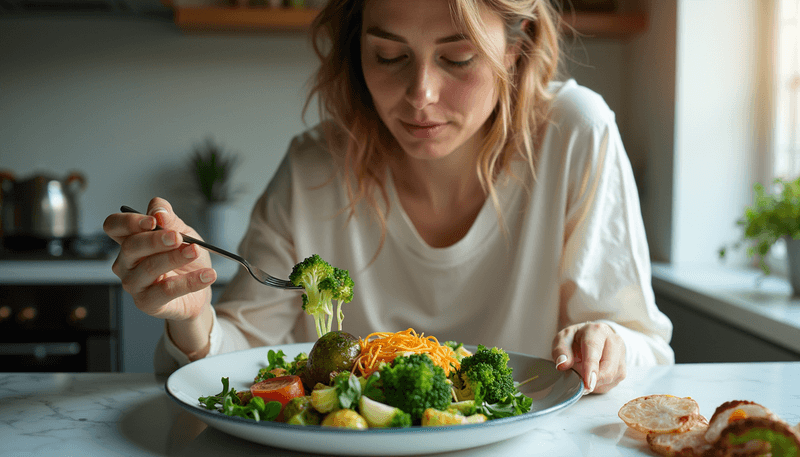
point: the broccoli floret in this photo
(413, 383)
(339, 286)
(322, 284)
(484, 377)
(381, 415)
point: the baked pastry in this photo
(732, 411)
(661, 414)
(756, 437)
(691, 443)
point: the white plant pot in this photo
(793, 258)
(216, 221)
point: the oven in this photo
(68, 328)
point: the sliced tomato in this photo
(280, 389)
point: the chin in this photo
(427, 151)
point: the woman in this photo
(470, 197)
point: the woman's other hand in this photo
(166, 278)
(595, 351)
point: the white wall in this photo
(715, 158)
(650, 60)
(123, 100)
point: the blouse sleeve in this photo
(605, 270)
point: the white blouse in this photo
(573, 249)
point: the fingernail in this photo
(592, 381)
(161, 211)
(562, 359)
(169, 239)
(207, 276)
(147, 223)
(189, 252)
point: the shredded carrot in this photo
(387, 345)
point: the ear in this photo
(513, 49)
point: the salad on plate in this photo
(385, 380)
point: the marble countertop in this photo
(117, 414)
(743, 297)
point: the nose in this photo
(423, 89)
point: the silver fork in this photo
(257, 274)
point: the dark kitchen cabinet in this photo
(700, 338)
(140, 333)
(68, 328)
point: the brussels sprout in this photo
(346, 418)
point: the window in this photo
(786, 153)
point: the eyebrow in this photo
(380, 33)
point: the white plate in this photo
(551, 391)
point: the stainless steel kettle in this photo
(42, 206)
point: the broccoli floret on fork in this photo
(323, 284)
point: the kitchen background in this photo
(123, 98)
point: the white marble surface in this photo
(762, 305)
(130, 415)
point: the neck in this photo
(440, 183)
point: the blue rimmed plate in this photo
(551, 391)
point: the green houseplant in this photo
(773, 216)
(211, 167)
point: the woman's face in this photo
(428, 83)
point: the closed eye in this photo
(389, 61)
(460, 63)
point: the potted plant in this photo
(211, 169)
(774, 216)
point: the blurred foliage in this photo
(212, 167)
(771, 217)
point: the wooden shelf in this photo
(233, 19)
(211, 19)
(605, 25)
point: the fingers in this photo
(118, 226)
(562, 348)
(136, 247)
(595, 351)
(139, 271)
(591, 342)
(177, 290)
(166, 217)
(159, 279)
(612, 369)
(154, 266)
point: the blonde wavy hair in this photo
(364, 146)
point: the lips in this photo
(423, 129)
